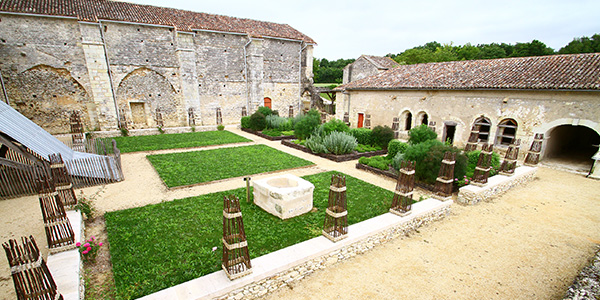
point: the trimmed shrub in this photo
(335, 125)
(306, 124)
(220, 127)
(428, 157)
(421, 134)
(339, 143)
(265, 111)
(396, 146)
(245, 122)
(382, 135)
(362, 135)
(473, 157)
(258, 121)
(274, 121)
(366, 148)
(379, 162)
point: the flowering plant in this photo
(462, 182)
(89, 249)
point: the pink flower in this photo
(455, 179)
(93, 237)
(88, 249)
(214, 249)
(86, 245)
(85, 252)
(100, 244)
(78, 244)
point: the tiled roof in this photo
(560, 72)
(381, 62)
(182, 20)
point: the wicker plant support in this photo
(192, 116)
(159, 118)
(59, 233)
(30, 274)
(533, 156)
(368, 121)
(509, 164)
(76, 129)
(122, 120)
(335, 226)
(443, 183)
(396, 127)
(473, 139)
(219, 116)
(291, 112)
(347, 118)
(484, 165)
(432, 125)
(402, 202)
(236, 260)
(62, 181)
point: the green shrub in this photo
(339, 143)
(287, 132)
(362, 135)
(473, 157)
(220, 127)
(124, 131)
(271, 132)
(396, 146)
(315, 141)
(382, 135)
(275, 121)
(258, 121)
(335, 125)
(428, 157)
(397, 160)
(245, 122)
(420, 134)
(366, 148)
(379, 162)
(307, 124)
(287, 125)
(266, 111)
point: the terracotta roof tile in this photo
(569, 72)
(183, 20)
(382, 62)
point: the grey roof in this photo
(32, 136)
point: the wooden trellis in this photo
(335, 227)
(402, 202)
(30, 274)
(122, 119)
(509, 164)
(76, 128)
(159, 118)
(443, 183)
(473, 139)
(236, 260)
(59, 234)
(244, 111)
(62, 181)
(347, 118)
(533, 156)
(291, 112)
(192, 116)
(484, 165)
(432, 125)
(368, 121)
(323, 118)
(396, 127)
(219, 116)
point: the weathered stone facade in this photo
(366, 66)
(52, 65)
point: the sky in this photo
(350, 28)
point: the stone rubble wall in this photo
(587, 284)
(469, 197)
(288, 277)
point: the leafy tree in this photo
(468, 52)
(582, 45)
(490, 51)
(306, 124)
(421, 134)
(535, 48)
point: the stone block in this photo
(284, 196)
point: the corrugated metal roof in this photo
(32, 136)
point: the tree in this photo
(582, 45)
(468, 52)
(535, 48)
(490, 51)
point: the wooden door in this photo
(361, 119)
(268, 102)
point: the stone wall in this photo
(359, 69)
(496, 186)
(53, 65)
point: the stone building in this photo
(511, 98)
(112, 59)
(367, 65)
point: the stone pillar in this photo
(255, 65)
(102, 111)
(188, 78)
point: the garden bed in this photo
(268, 137)
(333, 157)
(394, 175)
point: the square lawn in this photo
(187, 168)
(158, 246)
(176, 140)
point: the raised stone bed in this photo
(496, 186)
(268, 137)
(333, 157)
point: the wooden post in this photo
(219, 116)
(396, 127)
(247, 180)
(291, 112)
(402, 202)
(484, 165)
(192, 117)
(335, 227)
(59, 234)
(236, 260)
(443, 183)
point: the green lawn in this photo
(177, 140)
(186, 168)
(158, 246)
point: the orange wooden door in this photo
(268, 102)
(361, 119)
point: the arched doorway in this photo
(572, 146)
(268, 102)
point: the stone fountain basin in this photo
(284, 196)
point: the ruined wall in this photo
(532, 110)
(108, 68)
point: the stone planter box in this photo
(333, 157)
(268, 137)
(284, 196)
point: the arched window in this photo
(408, 121)
(484, 128)
(425, 119)
(507, 131)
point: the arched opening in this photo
(506, 133)
(572, 146)
(425, 119)
(268, 102)
(484, 128)
(408, 121)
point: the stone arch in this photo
(422, 118)
(485, 128)
(47, 96)
(506, 131)
(141, 92)
(406, 120)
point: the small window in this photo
(507, 131)
(484, 128)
